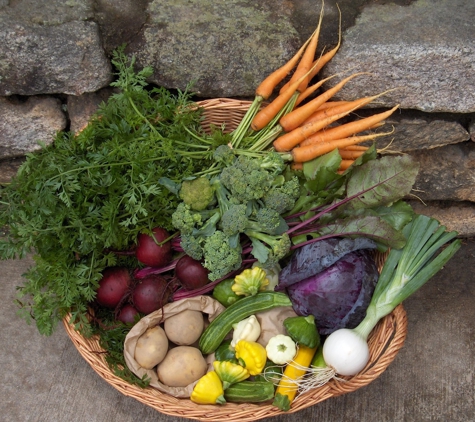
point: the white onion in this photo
(346, 352)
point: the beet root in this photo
(113, 286)
(150, 294)
(149, 252)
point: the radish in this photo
(150, 294)
(191, 273)
(156, 250)
(113, 286)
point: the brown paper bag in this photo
(205, 304)
(271, 322)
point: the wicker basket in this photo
(385, 341)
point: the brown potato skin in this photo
(182, 366)
(184, 328)
(151, 348)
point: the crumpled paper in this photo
(271, 322)
(205, 304)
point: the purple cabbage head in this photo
(338, 295)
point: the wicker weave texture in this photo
(385, 340)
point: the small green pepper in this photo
(302, 330)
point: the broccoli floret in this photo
(282, 198)
(246, 179)
(220, 257)
(273, 162)
(191, 246)
(269, 249)
(268, 220)
(197, 193)
(234, 219)
(185, 220)
(224, 154)
(188, 221)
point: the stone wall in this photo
(55, 69)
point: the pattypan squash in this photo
(208, 390)
(230, 373)
(281, 349)
(250, 282)
(248, 329)
(253, 356)
(303, 330)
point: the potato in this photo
(182, 366)
(151, 348)
(185, 327)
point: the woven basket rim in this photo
(385, 341)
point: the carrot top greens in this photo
(90, 193)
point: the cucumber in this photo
(217, 330)
(249, 392)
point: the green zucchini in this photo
(249, 392)
(217, 330)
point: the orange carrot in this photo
(340, 108)
(350, 155)
(291, 139)
(330, 54)
(330, 104)
(306, 152)
(296, 166)
(307, 61)
(311, 89)
(266, 114)
(297, 116)
(347, 129)
(355, 148)
(345, 164)
(267, 86)
(324, 59)
(311, 151)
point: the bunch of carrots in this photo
(302, 128)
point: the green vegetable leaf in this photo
(370, 226)
(386, 180)
(322, 169)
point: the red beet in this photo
(148, 252)
(113, 286)
(127, 314)
(150, 294)
(191, 273)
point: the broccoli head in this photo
(268, 220)
(192, 246)
(273, 162)
(184, 219)
(220, 257)
(197, 193)
(234, 219)
(282, 198)
(245, 179)
(224, 154)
